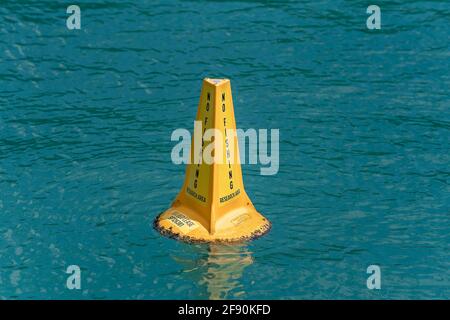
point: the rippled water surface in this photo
(364, 118)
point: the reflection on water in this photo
(216, 268)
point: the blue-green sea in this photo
(86, 118)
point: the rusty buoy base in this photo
(232, 228)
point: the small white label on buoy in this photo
(183, 222)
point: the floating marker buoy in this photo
(212, 205)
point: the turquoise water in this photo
(364, 118)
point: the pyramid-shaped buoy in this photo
(212, 205)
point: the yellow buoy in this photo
(212, 205)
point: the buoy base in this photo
(239, 226)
